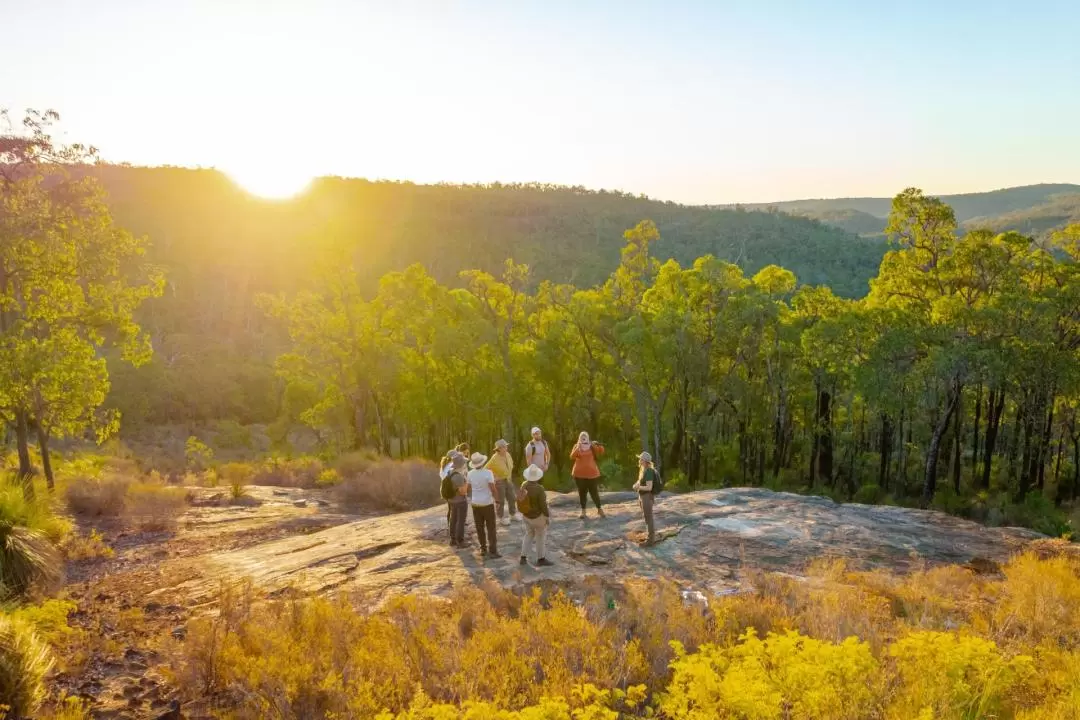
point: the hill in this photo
(222, 247)
(1039, 207)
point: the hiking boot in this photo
(544, 562)
(494, 555)
(483, 552)
(582, 515)
(523, 561)
(600, 513)
(505, 522)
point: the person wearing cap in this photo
(537, 451)
(586, 471)
(482, 485)
(647, 478)
(458, 504)
(501, 466)
(536, 517)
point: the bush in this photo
(24, 662)
(198, 454)
(28, 536)
(281, 472)
(391, 485)
(97, 496)
(91, 546)
(1038, 513)
(867, 494)
(147, 505)
(154, 507)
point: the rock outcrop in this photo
(707, 539)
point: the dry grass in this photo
(146, 505)
(942, 643)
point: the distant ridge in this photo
(1032, 209)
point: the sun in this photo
(273, 182)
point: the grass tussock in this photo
(943, 643)
(29, 534)
(25, 662)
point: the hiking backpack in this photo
(657, 483)
(522, 498)
(447, 489)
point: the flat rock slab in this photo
(705, 539)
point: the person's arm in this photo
(575, 452)
(547, 453)
(599, 449)
(645, 484)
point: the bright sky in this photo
(690, 101)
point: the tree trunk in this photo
(1014, 438)
(975, 436)
(958, 440)
(824, 428)
(1026, 462)
(901, 459)
(1076, 467)
(995, 408)
(930, 476)
(779, 431)
(815, 448)
(46, 464)
(885, 449)
(22, 439)
(1044, 444)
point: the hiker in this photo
(537, 451)
(647, 485)
(532, 502)
(444, 464)
(586, 471)
(454, 488)
(501, 466)
(482, 484)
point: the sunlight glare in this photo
(271, 182)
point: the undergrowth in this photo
(941, 643)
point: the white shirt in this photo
(482, 482)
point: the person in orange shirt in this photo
(586, 471)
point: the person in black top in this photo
(647, 481)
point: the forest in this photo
(952, 382)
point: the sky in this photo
(697, 102)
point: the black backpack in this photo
(657, 483)
(447, 489)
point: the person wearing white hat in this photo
(532, 501)
(482, 485)
(647, 482)
(537, 451)
(501, 466)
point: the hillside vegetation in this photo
(1031, 209)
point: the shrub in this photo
(28, 535)
(231, 434)
(1038, 513)
(782, 676)
(198, 454)
(153, 507)
(867, 494)
(945, 675)
(91, 546)
(328, 478)
(391, 485)
(281, 472)
(356, 462)
(1040, 600)
(97, 496)
(24, 662)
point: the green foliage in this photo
(24, 663)
(198, 454)
(29, 533)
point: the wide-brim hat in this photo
(477, 460)
(532, 473)
(645, 456)
(500, 443)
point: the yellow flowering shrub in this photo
(954, 676)
(786, 676)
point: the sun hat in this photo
(645, 456)
(458, 460)
(532, 473)
(534, 431)
(477, 460)
(500, 443)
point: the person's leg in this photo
(594, 491)
(500, 487)
(489, 519)
(541, 538)
(510, 492)
(583, 492)
(481, 527)
(527, 540)
(459, 522)
(647, 510)
(449, 519)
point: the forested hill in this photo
(1030, 209)
(198, 217)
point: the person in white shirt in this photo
(537, 451)
(482, 485)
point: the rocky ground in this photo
(135, 605)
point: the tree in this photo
(70, 282)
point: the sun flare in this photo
(270, 182)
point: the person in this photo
(482, 483)
(532, 499)
(501, 466)
(537, 451)
(445, 465)
(586, 471)
(648, 480)
(459, 503)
